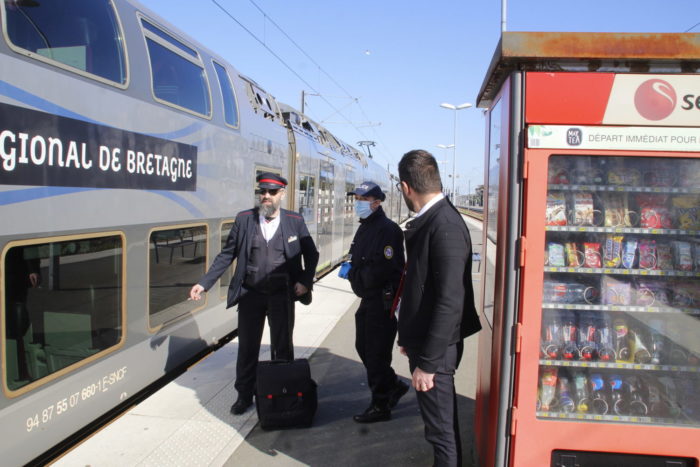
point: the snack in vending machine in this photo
(581, 390)
(640, 350)
(658, 351)
(616, 212)
(566, 402)
(649, 293)
(569, 331)
(591, 255)
(647, 254)
(678, 355)
(622, 341)
(653, 211)
(606, 340)
(551, 336)
(619, 405)
(682, 256)
(556, 209)
(558, 174)
(636, 404)
(555, 255)
(615, 291)
(664, 257)
(548, 383)
(624, 176)
(612, 251)
(686, 211)
(574, 256)
(600, 403)
(584, 212)
(587, 331)
(629, 253)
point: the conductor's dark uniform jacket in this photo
(377, 256)
(296, 244)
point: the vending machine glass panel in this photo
(621, 296)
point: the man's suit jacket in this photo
(437, 303)
(297, 244)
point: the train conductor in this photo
(269, 243)
(377, 261)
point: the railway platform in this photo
(188, 423)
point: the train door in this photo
(348, 210)
(325, 213)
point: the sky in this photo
(378, 70)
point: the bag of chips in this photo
(555, 255)
(682, 256)
(664, 258)
(647, 254)
(556, 208)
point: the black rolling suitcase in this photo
(285, 394)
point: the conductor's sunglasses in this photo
(272, 191)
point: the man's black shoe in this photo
(241, 405)
(400, 389)
(373, 414)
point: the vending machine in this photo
(591, 355)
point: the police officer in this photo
(269, 243)
(377, 261)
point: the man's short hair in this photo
(419, 169)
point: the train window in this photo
(178, 76)
(226, 276)
(307, 197)
(81, 35)
(229, 97)
(177, 260)
(63, 305)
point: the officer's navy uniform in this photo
(377, 256)
(436, 313)
(262, 285)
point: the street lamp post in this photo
(445, 105)
(445, 147)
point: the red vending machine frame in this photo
(641, 108)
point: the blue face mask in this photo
(362, 209)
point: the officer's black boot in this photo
(374, 413)
(241, 404)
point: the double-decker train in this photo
(126, 148)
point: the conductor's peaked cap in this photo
(368, 189)
(270, 181)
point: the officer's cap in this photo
(369, 189)
(271, 181)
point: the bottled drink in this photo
(640, 350)
(619, 405)
(551, 336)
(637, 405)
(622, 340)
(548, 385)
(569, 331)
(601, 403)
(658, 352)
(566, 402)
(581, 389)
(587, 331)
(606, 340)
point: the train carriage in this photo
(126, 149)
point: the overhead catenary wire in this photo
(295, 73)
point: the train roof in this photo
(588, 51)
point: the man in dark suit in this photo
(436, 306)
(269, 243)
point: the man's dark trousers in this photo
(252, 310)
(374, 340)
(435, 405)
